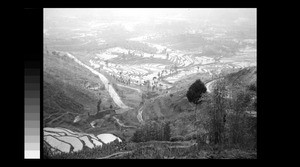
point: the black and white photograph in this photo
(149, 83)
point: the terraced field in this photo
(67, 141)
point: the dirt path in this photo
(121, 124)
(209, 85)
(114, 154)
(139, 115)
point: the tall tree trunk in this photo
(196, 112)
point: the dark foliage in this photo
(252, 87)
(177, 138)
(159, 131)
(167, 131)
(195, 91)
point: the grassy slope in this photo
(175, 102)
(246, 76)
(64, 90)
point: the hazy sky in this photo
(151, 14)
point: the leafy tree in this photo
(213, 116)
(238, 121)
(217, 113)
(167, 131)
(195, 92)
(161, 134)
(153, 129)
(137, 136)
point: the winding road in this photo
(106, 83)
(112, 91)
(121, 124)
(209, 86)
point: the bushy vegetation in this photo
(252, 87)
(153, 130)
(228, 123)
(161, 150)
(195, 92)
(177, 138)
(241, 126)
(216, 108)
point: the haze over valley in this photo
(114, 76)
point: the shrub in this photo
(193, 136)
(252, 87)
(153, 130)
(195, 91)
(177, 138)
(241, 126)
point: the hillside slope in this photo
(245, 76)
(69, 90)
(175, 107)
